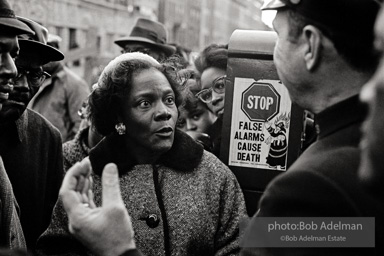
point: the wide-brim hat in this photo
(150, 32)
(9, 21)
(37, 43)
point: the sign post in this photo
(261, 126)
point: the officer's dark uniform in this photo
(323, 182)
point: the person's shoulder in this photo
(210, 159)
(39, 123)
(333, 165)
(73, 150)
(213, 166)
(317, 184)
(327, 161)
(71, 146)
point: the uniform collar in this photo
(184, 155)
(340, 115)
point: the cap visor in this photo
(272, 5)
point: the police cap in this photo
(336, 16)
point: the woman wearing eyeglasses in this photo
(195, 118)
(212, 65)
(182, 200)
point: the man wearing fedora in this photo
(30, 146)
(11, 234)
(147, 36)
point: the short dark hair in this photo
(105, 101)
(358, 52)
(190, 101)
(215, 55)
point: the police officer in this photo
(324, 55)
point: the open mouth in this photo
(166, 131)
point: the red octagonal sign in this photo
(260, 102)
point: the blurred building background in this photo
(89, 27)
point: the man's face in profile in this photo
(9, 48)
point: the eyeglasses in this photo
(35, 78)
(218, 86)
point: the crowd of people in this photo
(129, 165)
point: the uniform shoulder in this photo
(318, 185)
(332, 162)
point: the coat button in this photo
(152, 220)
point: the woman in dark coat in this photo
(182, 199)
(212, 65)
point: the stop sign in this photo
(260, 102)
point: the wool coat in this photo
(11, 233)
(76, 150)
(188, 203)
(323, 182)
(31, 149)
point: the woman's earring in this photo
(120, 128)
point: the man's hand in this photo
(105, 230)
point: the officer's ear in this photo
(312, 38)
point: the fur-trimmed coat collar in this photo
(184, 155)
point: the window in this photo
(72, 39)
(59, 31)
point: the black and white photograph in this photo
(191, 127)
